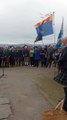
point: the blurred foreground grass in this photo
(46, 84)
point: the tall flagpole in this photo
(53, 16)
(62, 29)
(63, 25)
(42, 42)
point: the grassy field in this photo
(46, 84)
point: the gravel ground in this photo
(19, 85)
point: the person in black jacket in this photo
(62, 76)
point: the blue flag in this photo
(59, 42)
(44, 28)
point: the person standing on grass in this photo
(62, 76)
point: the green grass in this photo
(50, 87)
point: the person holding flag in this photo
(61, 78)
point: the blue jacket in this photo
(36, 55)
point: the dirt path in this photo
(19, 86)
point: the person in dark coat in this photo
(62, 76)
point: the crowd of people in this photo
(34, 56)
(44, 56)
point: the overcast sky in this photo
(18, 17)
